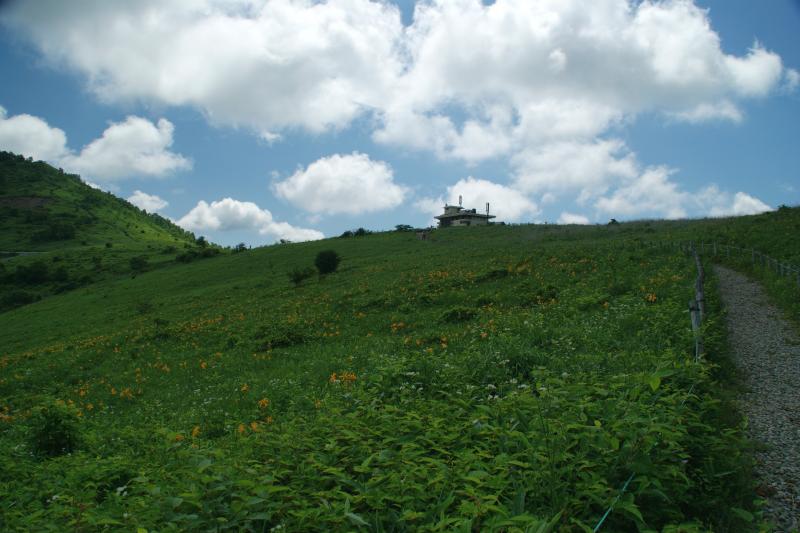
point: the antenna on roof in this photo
(487, 208)
(459, 200)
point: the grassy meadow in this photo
(495, 379)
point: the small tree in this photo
(327, 262)
(299, 275)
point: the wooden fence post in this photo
(694, 313)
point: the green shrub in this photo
(33, 274)
(327, 261)
(54, 430)
(17, 298)
(139, 263)
(299, 275)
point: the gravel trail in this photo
(767, 352)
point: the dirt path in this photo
(767, 351)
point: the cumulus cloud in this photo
(31, 136)
(229, 214)
(588, 168)
(654, 193)
(134, 147)
(572, 218)
(318, 65)
(264, 65)
(349, 184)
(651, 193)
(149, 202)
(510, 204)
(540, 83)
(724, 204)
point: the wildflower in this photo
(245, 388)
(333, 378)
(269, 420)
(650, 297)
(242, 428)
(254, 425)
(605, 305)
(203, 365)
(263, 403)
(178, 437)
(317, 403)
(195, 432)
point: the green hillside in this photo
(497, 378)
(509, 378)
(57, 233)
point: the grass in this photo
(505, 378)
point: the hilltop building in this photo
(456, 215)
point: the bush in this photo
(299, 275)
(17, 299)
(54, 430)
(34, 273)
(139, 263)
(327, 261)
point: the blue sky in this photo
(251, 121)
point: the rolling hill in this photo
(508, 378)
(58, 233)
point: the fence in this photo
(756, 258)
(697, 312)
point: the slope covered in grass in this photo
(497, 377)
(58, 233)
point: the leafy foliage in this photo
(298, 275)
(227, 400)
(327, 261)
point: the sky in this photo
(258, 120)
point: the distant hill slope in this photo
(43, 208)
(57, 233)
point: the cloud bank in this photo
(229, 214)
(343, 184)
(541, 85)
(132, 148)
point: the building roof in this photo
(471, 213)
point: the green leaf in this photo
(654, 382)
(354, 518)
(744, 515)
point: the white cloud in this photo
(723, 110)
(263, 65)
(135, 147)
(572, 218)
(723, 204)
(319, 65)
(149, 202)
(508, 204)
(654, 193)
(229, 214)
(651, 193)
(791, 80)
(31, 136)
(349, 184)
(585, 167)
(541, 83)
